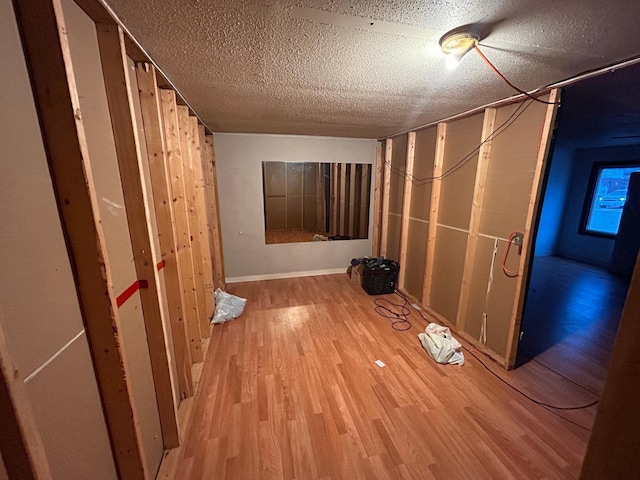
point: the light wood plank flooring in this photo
(571, 319)
(289, 236)
(290, 390)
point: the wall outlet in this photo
(518, 239)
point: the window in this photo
(606, 198)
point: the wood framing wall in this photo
(116, 210)
(47, 339)
(377, 202)
(112, 248)
(350, 199)
(453, 194)
(394, 171)
(418, 215)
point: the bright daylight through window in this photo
(607, 198)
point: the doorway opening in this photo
(579, 279)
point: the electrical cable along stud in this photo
(456, 43)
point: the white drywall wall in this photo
(239, 160)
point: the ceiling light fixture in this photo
(456, 43)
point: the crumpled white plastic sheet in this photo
(440, 345)
(228, 306)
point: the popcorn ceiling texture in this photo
(320, 68)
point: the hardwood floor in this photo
(571, 318)
(290, 390)
(289, 236)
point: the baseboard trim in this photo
(276, 276)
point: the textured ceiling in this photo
(365, 68)
(601, 111)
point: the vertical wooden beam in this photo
(211, 210)
(384, 232)
(44, 39)
(352, 170)
(175, 162)
(406, 206)
(202, 137)
(377, 203)
(335, 199)
(320, 198)
(357, 198)
(476, 213)
(20, 443)
(612, 451)
(203, 228)
(207, 176)
(286, 196)
(364, 200)
(303, 192)
(441, 135)
(158, 168)
(219, 251)
(532, 213)
(118, 87)
(186, 146)
(344, 199)
(214, 215)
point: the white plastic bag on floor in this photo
(227, 306)
(440, 345)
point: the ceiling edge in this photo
(505, 101)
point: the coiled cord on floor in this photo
(387, 309)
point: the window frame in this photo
(589, 197)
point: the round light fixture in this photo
(456, 43)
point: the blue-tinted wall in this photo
(555, 199)
(570, 243)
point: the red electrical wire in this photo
(505, 254)
(493, 67)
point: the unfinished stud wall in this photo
(350, 199)
(213, 212)
(38, 299)
(395, 195)
(482, 178)
(377, 191)
(294, 195)
(155, 237)
(454, 210)
(102, 153)
(508, 192)
(275, 193)
(413, 267)
(108, 348)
